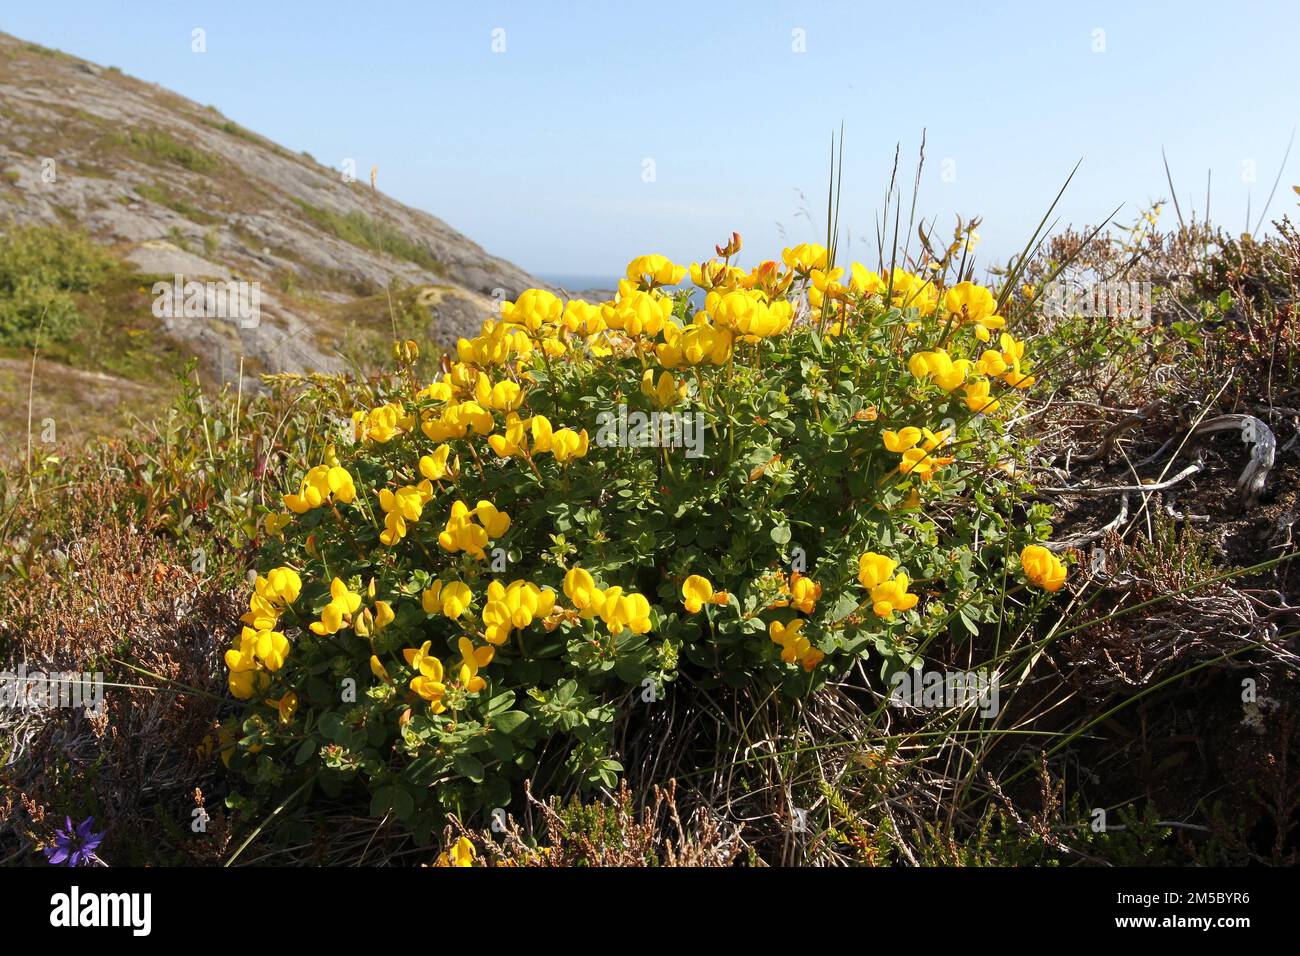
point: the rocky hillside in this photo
(170, 186)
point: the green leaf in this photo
(509, 722)
(394, 799)
(468, 767)
(966, 620)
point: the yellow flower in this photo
(539, 427)
(533, 309)
(1043, 568)
(918, 460)
(524, 602)
(968, 302)
(271, 649)
(428, 680)
(655, 270)
(495, 523)
(666, 392)
(377, 668)
(892, 595)
(805, 257)
(461, 854)
(450, 599)
(795, 648)
(638, 313)
(978, 398)
(276, 523)
(863, 281)
(270, 595)
(749, 313)
(382, 424)
(580, 588)
(496, 615)
(901, 440)
(913, 291)
(504, 396)
(1013, 354)
(583, 317)
(940, 368)
(286, 707)
(461, 534)
(320, 486)
(874, 569)
(825, 285)
(992, 363)
(471, 660)
(804, 593)
(715, 275)
(434, 467)
(697, 591)
(514, 441)
(343, 604)
(283, 583)
(622, 612)
(241, 660)
(888, 590)
(406, 504)
(567, 444)
(697, 343)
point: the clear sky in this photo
(539, 151)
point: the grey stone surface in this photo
(246, 213)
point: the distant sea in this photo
(578, 282)
(574, 282)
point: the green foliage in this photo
(156, 146)
(793, 476)
(41, 270)
(164, 197)
(369, 233)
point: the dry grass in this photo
(118, 601)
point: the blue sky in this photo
(539, 152)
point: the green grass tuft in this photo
(375, 234)
(158, 147)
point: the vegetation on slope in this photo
(1158, 686)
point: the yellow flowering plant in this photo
(763, 479)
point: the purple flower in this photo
(74, 846)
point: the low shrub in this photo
(767, 482)
(41, 269)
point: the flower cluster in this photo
(487, 567)
(261, 650)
